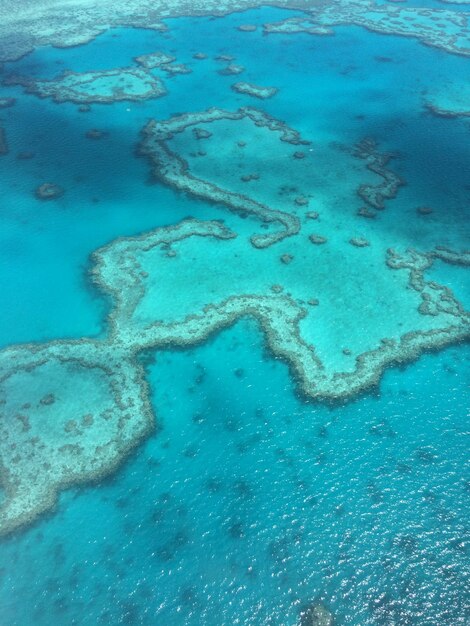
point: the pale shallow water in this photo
(249, 502)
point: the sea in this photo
(250, 501)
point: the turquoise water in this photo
(249, 502)
(325, 84)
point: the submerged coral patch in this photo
(155, 59)
(104, 86)
(49, 191)
(173, 69)
(317, 239)
(231, 69)
(247, 28)
(256, 91)
(316, 615)
(95, 133)
(376, 195)
(359, 242)
(5, 103)
(3, 142)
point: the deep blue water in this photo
(248, 502)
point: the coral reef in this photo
(7, 102)
(95, 133)
(48, 191)
(53, 444)
(441, 28)
(72, 410)
(436, 298)
(376, 195)
(359, 242)
(316, 615)
(154, 59)
(174, 171)
(449, 256)
(256, 91)
(118, 266)
(366, 212)
(247, 28)
(424, 210)
(317, 239)
(201, 133)
(164, 130)
(53, 25)
(105, 86)
(88, 407)
(450, 112)
(450, 100)
(247, 177)
(231, 69)
(176, 68)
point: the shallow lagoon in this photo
(248, 502)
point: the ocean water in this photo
(249, 501)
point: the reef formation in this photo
(450, 100)
(376, 195)
(3, 142)
(441, 28)
(71, 411)
(232, 69)
(173, 170)
(316, 615)
(104, 86)
(5, 103)
(256, 91)
(49, 191)
(51, 24)
(155, 59)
